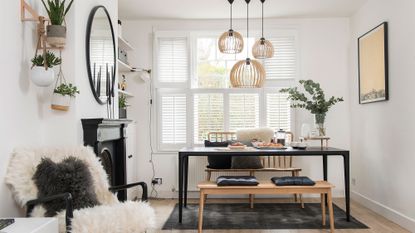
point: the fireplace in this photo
(107, 137)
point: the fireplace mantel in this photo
(108, 138)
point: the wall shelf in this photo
(122, 43)
(124, 68)
(127, 94)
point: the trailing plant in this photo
(315, 101)
(122, 101)
(51, 60)
(56, 10)
(66, 89)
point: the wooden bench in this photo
(267, 187)
(269, 163)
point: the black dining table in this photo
(324, 152)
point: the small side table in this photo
(33, 225)
(323, 140)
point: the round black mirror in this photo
(101, 54)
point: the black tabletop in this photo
(203, 151)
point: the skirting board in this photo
(393, 215)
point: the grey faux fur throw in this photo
(71, 175)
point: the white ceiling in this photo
(219, 9)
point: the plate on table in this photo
(299, 147)
(242, 147)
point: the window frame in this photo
(270, 86)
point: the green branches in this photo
(122, 101)
(56, 10)
(66, 89)
(51, 60)
(317, 104)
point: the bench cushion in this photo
(237, 181)
(246, 162)
(293, 180)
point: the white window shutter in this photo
(243, 111)
(278, 111)
(173, 118)
(173, 60)
(208, 115)
(284, 63)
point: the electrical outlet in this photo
(157, 181)
(353, 181)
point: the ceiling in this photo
(219, 9)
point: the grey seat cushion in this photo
(246, 162)
(292, 180)
(237, 181)
(71, 175)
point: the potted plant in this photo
(122, 107)
(42, 74)
(315, 102)
(62, 94)
(56, 32)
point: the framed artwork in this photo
(373, 65)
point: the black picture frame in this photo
(375, 95)
(88, 55)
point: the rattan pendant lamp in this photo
(247, 73)
(231, 42)
(263, 48)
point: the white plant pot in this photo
(42, 77)
(60, 102)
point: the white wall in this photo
(382, 133)
(323, 57)
(26, 118)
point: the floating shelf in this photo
(124, 68)
(128, 94)
(122, 43)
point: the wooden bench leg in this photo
(294, 173)
(323, 208)
(330, 203)
(251, 196)
(208, 177)
(201, 206)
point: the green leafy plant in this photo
(66, 89)
(51, 60)
(122, 101)
(56, 10)
(316, 103)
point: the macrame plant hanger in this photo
(59, 81)
(41, 40)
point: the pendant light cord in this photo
(231, 19)
(247, 27)
(231, 15)
(262, 1)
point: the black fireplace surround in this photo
(108, 138)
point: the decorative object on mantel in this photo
(63, 92)
(42, 72)
(247, 73)
(122, 104)
(263, 48)
(56, 32)
(318, 105)
(373, 65)
(231, 42)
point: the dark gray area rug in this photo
(263, 216)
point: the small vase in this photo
(42, 77)
(56, 35)
(60, 102)
(319, 123)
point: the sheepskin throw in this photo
(110, 216)
(71, 175)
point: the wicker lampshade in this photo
(231, 42)
(263, 49)
(247, 74)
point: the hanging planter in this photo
(56, 32)
(63, 93)
(42, 73)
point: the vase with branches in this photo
(314, 100)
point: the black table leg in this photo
(180, 187)
(186, 178)
(325, 167)
(346, 160)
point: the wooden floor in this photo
(377, 223)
